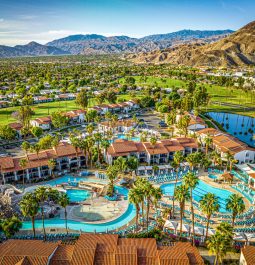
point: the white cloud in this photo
(1, 20)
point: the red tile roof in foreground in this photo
(11, 164)
(249, 254)
(98, 249)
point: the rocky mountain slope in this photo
(98, 44)
(30, 49)
(237, 49)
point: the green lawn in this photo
(217, 93)
(45, 109)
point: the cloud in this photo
(1, 20)
(28, 17)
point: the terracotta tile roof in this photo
(34, 252)
(16, 126)
(124, 123)
(11, 164)
(156, 149)
(249, 254)
(43, 120)
(208, 131)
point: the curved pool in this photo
(201, 189)
(77, 195)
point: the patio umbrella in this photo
(171, 225)
(250, 237)
(185, 228)
(211, 232)
(199, 231)
(240, 237)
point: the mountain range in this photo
(99, 44)
(237, 49)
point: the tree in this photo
(132, 163)
(98, 139)
(191, 181)
(220, 242)
(59, 120)
(23, 165)
(230, 160)
(193, 159)
(121, 165)
(41, 195)
(7, 133)
(29, 207)
(235, 204)
(177, 159)
(183, 124)
(82, 99)
(51, 165)
(25, 146)
(208, 142)
(181, 195)
(209, 204)
(147, 102)
(112, 174)
(10, 226)
(153, 142)
(36, 131)
(64, 201)
(135, 197)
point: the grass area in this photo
(45, 109)
(217, 93)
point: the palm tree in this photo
(230, 160)
(153, 142)
(181, 195)
(208, 141)
(23, 165)
(51, 165)
(135, 196)
(29, 207)
(218, 246)
(121, 165)
(193, 159)
(76, 144)
(10, 226)
(209, 204)
(167, 212)
(41, 194)
(177, 159)
(157, 195)
(112, 174)
(63, 201)
(26, 147)
(215, 157)
(235, 204)
(148, 193)
(98, 139)
(191, 181)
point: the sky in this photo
(22, 21)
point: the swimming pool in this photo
(211, 176)
(76, 195)
(123, 136)
(201, 189)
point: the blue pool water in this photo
(242, 127)
(80, 195)
(123, 136)
(201, 189)
(211, 176)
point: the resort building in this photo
(196, 123)
(43, 122)
(247, 256)
(121, 126)
(65, 155)
(76, 116)
(160, 153)
(17, 126)
(98, 249)
(225, 143)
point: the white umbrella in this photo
(239, 237)
(185, 228)
(211, 232)
(250, 237)
(199, 231)
(171, 225)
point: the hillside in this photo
(98, 44)
(30, 49)
(237, 49)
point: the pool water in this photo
(123, 136)
(240, 126)
(211, 176)
(77, 195)
(201, 189)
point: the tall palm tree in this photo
(148, 192)
(98, 139)
(51, 165)
(208, 141)
(153, 142)
(76, 144)
(230, 160)
(215, 157)
(121, 165)
(191, 181)
(156, 195)
(41, 194)
(64, 201)
(112, 174)
(193, 159)
(29, 207)
(235, 204)
(177, 159)
(23, 165)
(181, 195)
(26, 147)
(135, 197)
(209, 204)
